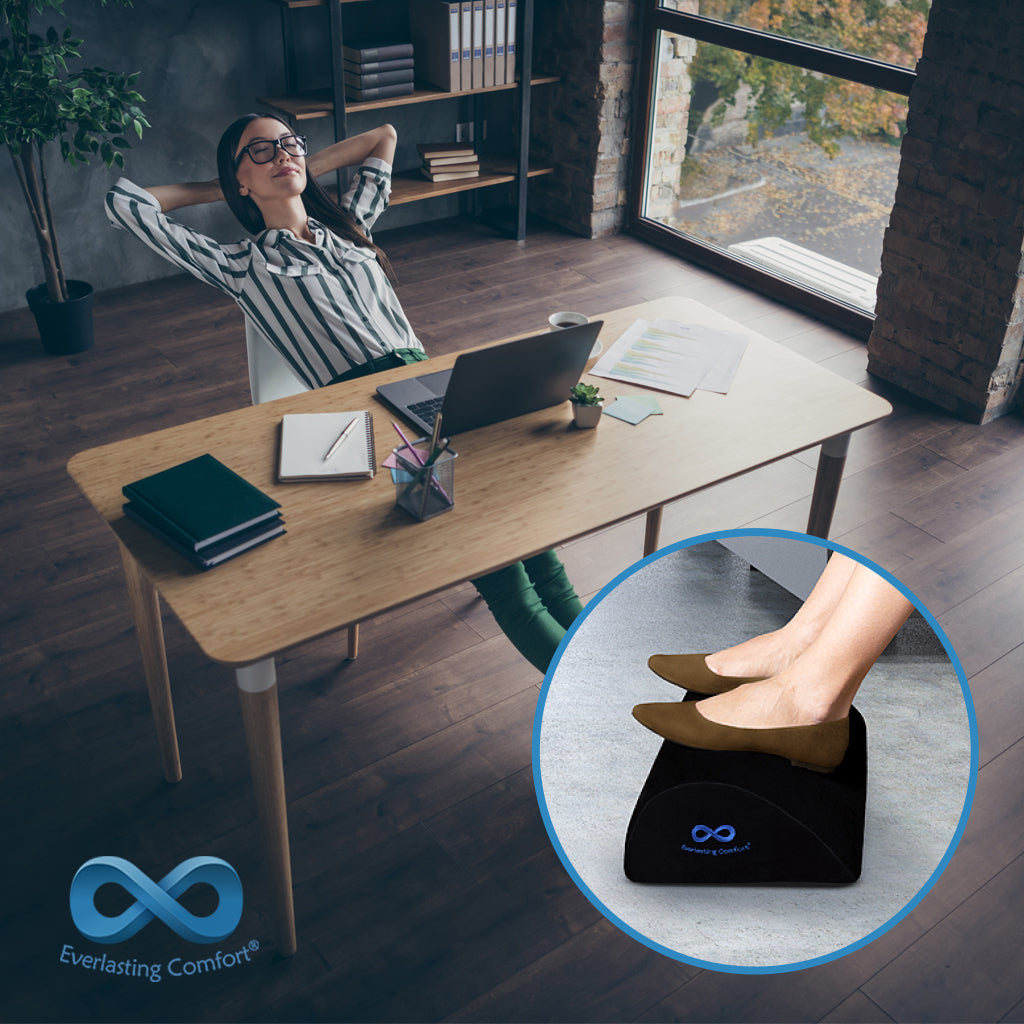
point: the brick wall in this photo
(582, 125)
(950, 313)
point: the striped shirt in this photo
(326, 306)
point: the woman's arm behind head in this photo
(186, 193)
(379, 142)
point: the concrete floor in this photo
(592, 757)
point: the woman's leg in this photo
(820, 684)
(551, 582)
(771, 652)
(520, 612)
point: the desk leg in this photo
(145, 605)
(257, 689)
(652, 530)
(831, 463)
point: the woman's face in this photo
(283, 176)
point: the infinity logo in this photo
(156, 899)
(724, 833)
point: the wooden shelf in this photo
(292, 4)
(318, 103)
(411, 186)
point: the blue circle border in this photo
(774, 968)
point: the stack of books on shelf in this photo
(203, 510)
(377, 70)
(449, 161)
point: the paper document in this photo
(674, 357)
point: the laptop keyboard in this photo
(428, 409)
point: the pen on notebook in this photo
(341, 437)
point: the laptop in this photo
(496, 383)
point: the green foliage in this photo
(886, 30)
(585, 394)
(89, 112)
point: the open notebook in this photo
(306, 438)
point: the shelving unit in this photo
(410, 186)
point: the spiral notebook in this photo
(306, 438)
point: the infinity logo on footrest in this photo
(156, 899)
(724, 833)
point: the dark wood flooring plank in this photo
(986, 626)
(982, 982)
(857, 1009)
(599, 974)
(981, 556)
(992, 487)
(996, 692)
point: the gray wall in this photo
(202, 63)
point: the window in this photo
(771, 143)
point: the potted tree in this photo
(587, 405)
(90, 112)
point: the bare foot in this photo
(763, 656)
(774, 703)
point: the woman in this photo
(312, 281)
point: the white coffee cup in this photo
(566, 319)
(559, 321)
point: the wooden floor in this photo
(426, 887)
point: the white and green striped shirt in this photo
(326, 306)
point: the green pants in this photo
(534, 604)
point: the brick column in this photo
(581, 126)
(950, 313)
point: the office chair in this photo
(271, 377)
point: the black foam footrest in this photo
(719, 817)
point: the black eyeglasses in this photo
(263, 151)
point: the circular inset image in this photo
(755, 751)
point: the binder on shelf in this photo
(466, 44)
(379, 92)
(489, 33)
(373, 67)
(364, 52)
(378, 78)
(478, 44)
(435, 26)
(500, 18)
(306, 439)
(510, 41)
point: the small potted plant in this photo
(587, 405)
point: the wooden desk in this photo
(521, 487)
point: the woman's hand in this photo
(379, 142)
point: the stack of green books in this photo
(203, 510)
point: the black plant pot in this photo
(64, 327)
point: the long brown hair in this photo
(318, 203)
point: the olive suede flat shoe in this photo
(820, 747)
(691, 672)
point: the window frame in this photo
(864, 70)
